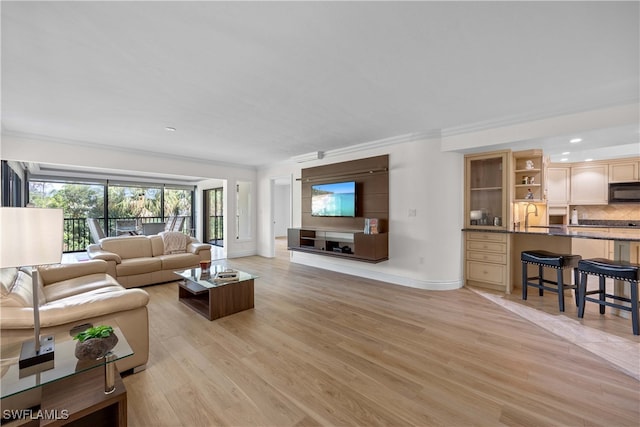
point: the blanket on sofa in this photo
(174, 242)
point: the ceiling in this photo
(254, 83)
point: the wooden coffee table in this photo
(214, 299)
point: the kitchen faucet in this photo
(526, 215)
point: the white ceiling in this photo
(253, 83)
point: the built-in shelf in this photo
(528, 176)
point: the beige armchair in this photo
(72, 295)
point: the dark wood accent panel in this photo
(332, 170)
(372, 246)
(371, 176)
(378, 204)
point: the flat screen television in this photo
(334, 199)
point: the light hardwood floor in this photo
(322, 348)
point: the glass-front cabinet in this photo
(487, 190)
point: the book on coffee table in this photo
(226, 276)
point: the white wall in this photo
(281, 209)
(425, 250)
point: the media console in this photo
(355, 245)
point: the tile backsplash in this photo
(629, 211)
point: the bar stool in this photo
(556, 261)
(617, 270)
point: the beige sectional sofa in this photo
(146, 260)
(71, 295)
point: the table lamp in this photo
(32, 237)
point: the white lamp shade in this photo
(30, 236)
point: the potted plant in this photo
(95, 342)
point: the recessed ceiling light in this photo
(564, 159)
(575, 140)
(566, 153)
(170, 129)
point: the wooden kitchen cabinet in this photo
(558, 188)
(487, 260)
(624, 171)
(589, 184)
(486, 190)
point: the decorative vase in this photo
(204, 266)
(95, 348)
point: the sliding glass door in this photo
(213, 216)
(120, 208)
(78, 202)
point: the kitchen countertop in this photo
(608, 223)
(614, 233)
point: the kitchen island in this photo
(492, 254)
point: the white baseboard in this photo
(240, 254)
(360, 270)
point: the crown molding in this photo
(524, 118)
(394, 140)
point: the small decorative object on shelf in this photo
(529, 194)
(371, 226)
(95, 342)
(529, 164)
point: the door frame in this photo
(273, 182)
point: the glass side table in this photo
(66, 364)
(79, 384)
